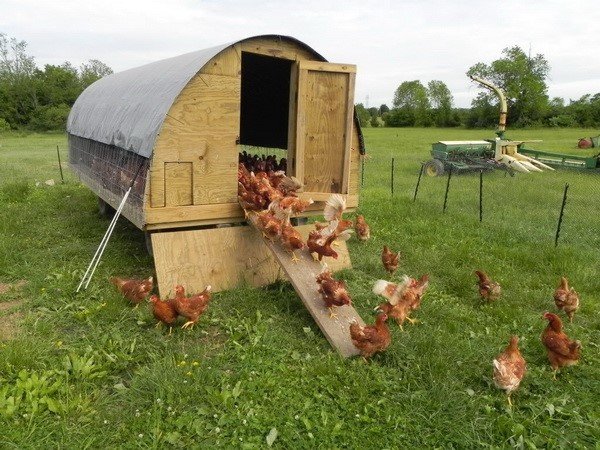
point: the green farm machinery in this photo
(499, 153)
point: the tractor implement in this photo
(498, 153)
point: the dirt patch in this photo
(9, 321)
(6, 287)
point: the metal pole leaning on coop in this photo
(89, 273)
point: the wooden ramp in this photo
(302, 275)
(226, 258)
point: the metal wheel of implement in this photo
(434, 168)
(104, 209)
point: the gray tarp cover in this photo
(127, 109)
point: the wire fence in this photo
(560, 207)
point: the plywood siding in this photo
(225, 258)
(324, 126)
(277, 48)
(178, 183)
(201, 129)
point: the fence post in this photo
(62, 179)
(392, 177)
(560, 217)
(480, 196)
(418, 182)
(447, 189)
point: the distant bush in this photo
(4, 126)
(562, 121)
(50, 118)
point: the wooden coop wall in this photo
(193, 175)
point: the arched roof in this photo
(126, 109)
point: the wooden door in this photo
(321, 128)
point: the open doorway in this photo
(265, 105)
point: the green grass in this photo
(87, 370)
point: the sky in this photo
(390, 42)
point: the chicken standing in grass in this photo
(191, 307)
(363, 231)
(390, 260)
(488, 290)
(370, 339)
(560, 349)
(402, 298)
(133, 290)
(509, 368)
(566, 298)
(164, 311)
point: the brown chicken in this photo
(390, 260)
(191, 307)
(488, 290)
(334, 207)
(363, 231)
(333, 211)
(266, 222)
(321, 241)
(285, 207)
(291, 240)
(133, 290)
(402, 298)
(371, 339)
(334, 292)
(509, 368)
(560, 349)
(164, 311)
(566, 298)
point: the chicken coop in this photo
(181, 124)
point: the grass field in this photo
(88, 371)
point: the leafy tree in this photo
(412, 100)
(441, 100)
(17, 90)
(92, 71)
(383, 109)
(363, 115)
(40, 99)
(586, 110)
(523, 80)
(373, 112)
(58, 85)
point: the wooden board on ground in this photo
(302, 275)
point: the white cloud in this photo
(390, 42)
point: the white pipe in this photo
(110, 230)
(102, 242)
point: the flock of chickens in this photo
(165, 311)
(269, 200)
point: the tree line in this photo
(39, 99)
(523, 79)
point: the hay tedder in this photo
(498, 153)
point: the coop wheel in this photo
(104, 209)
(434, 168)
(148, 239)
